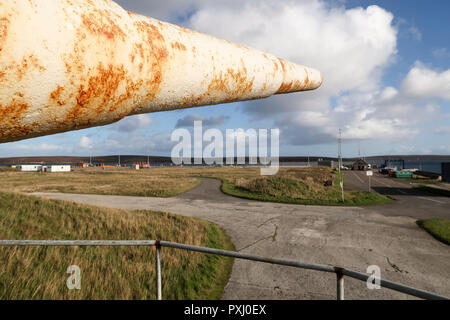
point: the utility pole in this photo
(359, 149)
(340, 150)
(119, 160)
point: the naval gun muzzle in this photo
(73, 64)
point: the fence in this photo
(340, 272)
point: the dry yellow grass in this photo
(107, 272)
(150, 183)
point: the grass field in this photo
(106, 272)
(302, 185)
(123, 181)
(438, 228)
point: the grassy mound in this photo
(295, 186)
(106, 272)
(438, 228)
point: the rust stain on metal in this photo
(233, 83)
(56, 95)
(94, 96)
(4, 23)
(101, 24)
(156, 55)
(339, 272)
(28, 62)
(178, 45)
(10, 116)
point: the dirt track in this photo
(351, 237)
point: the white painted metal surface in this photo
(67, 65)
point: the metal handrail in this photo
(340, 272)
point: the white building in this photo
(56, 168)
(30, 167)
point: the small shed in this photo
(361, 165)
(56, 168)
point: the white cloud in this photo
(351, 47)
(348, 46)
(133, 123)
(41, 147)
(86, 143)
(415, 33)
(441, 52)
(423, 82)
(166, 10)
(443, 130)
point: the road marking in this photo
(382, 182)
(357, 177)
(442, 202)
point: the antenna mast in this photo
(340, 149)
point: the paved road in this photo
(350, 237)
(408, 200)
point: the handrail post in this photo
(340, 283)
(158, 271)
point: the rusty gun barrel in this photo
(67, 65)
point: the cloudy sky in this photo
(386, 68)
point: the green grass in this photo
(438, 228)
(441, 192)
(107, 272)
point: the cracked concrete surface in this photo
(351, 237)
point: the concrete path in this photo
(350, 237)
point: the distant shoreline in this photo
(160, 159)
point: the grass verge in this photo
(438, 228)
(106, 272)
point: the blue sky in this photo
(386, 68)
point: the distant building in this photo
(361, 165)
(82, 165)
(446, 171)
(56, 168)
(30, 167)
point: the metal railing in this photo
(340, 272)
